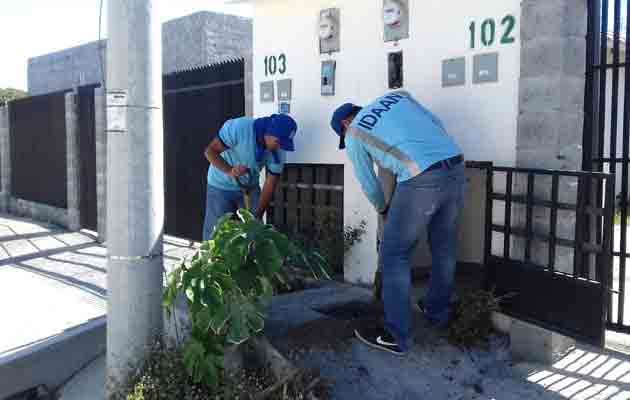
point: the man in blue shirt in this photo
(402, 136)
(237, 155)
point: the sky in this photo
(30, 28)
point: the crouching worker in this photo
(402, 136)
(237, 155)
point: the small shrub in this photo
(472, 321)
(227, 284)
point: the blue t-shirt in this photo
(239, 138)
(400, 135)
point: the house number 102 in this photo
(488, 31)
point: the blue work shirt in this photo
(239, 138)
(400, 135)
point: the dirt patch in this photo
(336, 329)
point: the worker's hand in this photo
(259, 214)
(238, 171)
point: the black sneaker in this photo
(380, 339)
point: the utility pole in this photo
(135, 184)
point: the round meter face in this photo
(326, 28)
(392, 13)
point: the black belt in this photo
(446, 164)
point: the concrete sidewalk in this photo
(53, 298)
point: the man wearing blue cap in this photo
(402, 136)
(237, 155)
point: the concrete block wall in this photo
(209, 37)
(72, 161)
(188, 42)
(72, 67)
(551, 106)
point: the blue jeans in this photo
(426, 207)
(220, 202)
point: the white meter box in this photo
(395, 20)
(329, 31)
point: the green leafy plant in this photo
(330, 241)
(227, 284)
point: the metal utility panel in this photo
(486, 68)
(267, 94)
(284, 89)
(395, 20)
(454, 72)
(395, 70)
(329, 31)
(328, 77)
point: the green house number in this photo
(488, 31)
(275, 65)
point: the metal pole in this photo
(135, 184)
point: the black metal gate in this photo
(607, 133)
(87, 157)
(38, 149)
(552, 274)
(196, 104)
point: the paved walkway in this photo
(52, 280)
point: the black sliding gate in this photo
(607, 134)
(196, 104)
(542, 255)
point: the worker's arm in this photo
(267, 194)
(213, 155)
(364, 171)
(274, 163)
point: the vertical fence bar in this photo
(601, 120)
(578, 260)
(529, 216)
(607, 248)
(508, 215)
(614, 112)
(555, 183)
(489, 206)
(625, 160)
(587, 140)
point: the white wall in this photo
(483, 118)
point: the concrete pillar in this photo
(550, 130)
(72, 161)
(551, 117)
(5, 158)
(248, 77)
(101, 162)
(135, 185)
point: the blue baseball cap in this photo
(341, 113)
(284, 128)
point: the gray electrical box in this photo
(267, 94)
(329, 31)
(395, 20)
(486, 68)
(328, 77)
(454, 72)
(284, 89)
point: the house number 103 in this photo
(275, 64)
(488, 31)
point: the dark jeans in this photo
(426, 207)
(220, 202)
